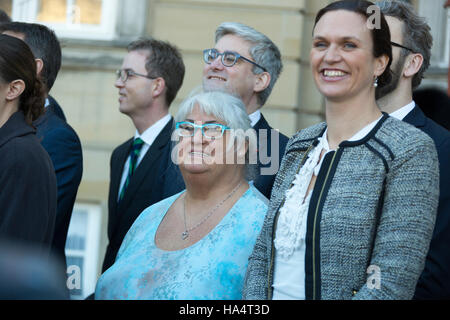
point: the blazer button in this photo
(354, 292)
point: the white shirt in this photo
(254, 117)
(401, 113)
(290, 237)
(148, 136)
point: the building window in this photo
(76, 19)
(82, 250)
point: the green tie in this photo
(134, 155)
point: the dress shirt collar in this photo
(150, 134)
(254, 117)
(403, 111)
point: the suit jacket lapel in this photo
(416, 117)
(263, 149)
(145, 165)
(117, 163)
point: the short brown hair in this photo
(165, 61)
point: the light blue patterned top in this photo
(211, 269)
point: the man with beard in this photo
(411, 50)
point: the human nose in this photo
(197, 138)
(217, 63)
(332, 54)
(119, 83)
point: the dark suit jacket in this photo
(276, 142)
(434, 283)
(28, 187)
(174, 182)
(64, 148)
(143, 190)
(54, 106)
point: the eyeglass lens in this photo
(208, 130)
(228, 58)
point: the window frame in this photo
(90, 253)
(27, 11)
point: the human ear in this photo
(15, 89)
(262, 81)
(380, 65)
(158, 87)
(39, 66)
(413, 65)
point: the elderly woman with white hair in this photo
(196, 244)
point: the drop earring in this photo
(375, 83)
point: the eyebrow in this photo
(347, 38)
(206, 122)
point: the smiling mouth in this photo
(216, 78)
(333, 73)
(198, 154)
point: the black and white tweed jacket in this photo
(372, 210)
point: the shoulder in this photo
(25, 154)
(256, 197)
(156, 210)
(305, 137)
(439, 134)
(122, 147)
(401, 137)
(56, 133)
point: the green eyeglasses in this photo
(209, 130)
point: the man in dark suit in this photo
(151, 74)
(246, 63)
(411, 51)
(57, 137)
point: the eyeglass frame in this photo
(237, 55)
(395, 44)
(198, 126)
(129, 73)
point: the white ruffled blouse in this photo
(290, 234)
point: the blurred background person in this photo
(195, 244)
(57, 137)
(28, 192)
(354, 203)
(26, 275)
(4, 17)
(411, 51)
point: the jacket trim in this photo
(312, 255)
(368, 136)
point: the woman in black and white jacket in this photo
(353, 205)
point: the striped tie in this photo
(134, 155)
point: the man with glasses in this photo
(151, 74)
(246, 63)
(411, 51)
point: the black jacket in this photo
(64, 148)
(434, 283)
(143, 191)
(28, 187)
